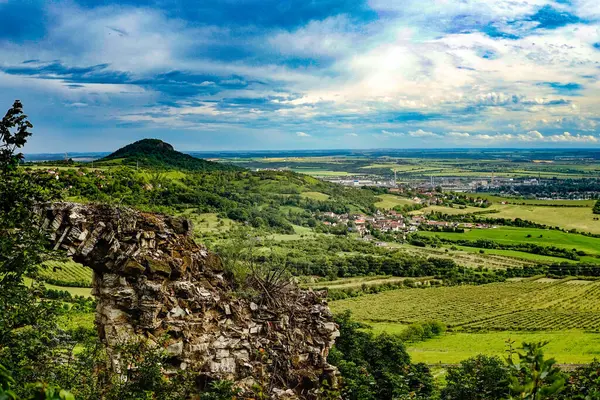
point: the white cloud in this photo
(351, 134)
(392, 134)
(568, 137)
(459, 134)
(531, 136)
(302, 134)
(422, 133)
(332, 36)
(536, 136)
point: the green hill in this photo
(155, 153)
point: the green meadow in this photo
(512, 235)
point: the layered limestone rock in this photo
(152, 280)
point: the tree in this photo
(533, 377)
(26, 323)
(377, 366)
(583, 383)
(478, 378)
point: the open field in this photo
(320, 172)
(451, 210)
(208, 222)
(579, 218)
(522, 305)
(525, 257)
(75, 291)
(512, 200)
(301, 232)
(389, 201)
(315, 196)
(470, 257)
(512, 235)
(349, 283)
(67, 272)
(567, 347)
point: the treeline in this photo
(517, 222)
(596, 209)
(345, 293)
(253, 198)
(377, 366)
(551, 251)
(565, 188)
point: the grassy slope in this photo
(511, 235)
(579, 218)
(67, 271)
(75, 291)
(389, 201)
(510, 200)
(567, 347)
(525, 305)
(315, 196)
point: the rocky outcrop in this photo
(152, 280)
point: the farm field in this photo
(470, 257)
(207, 222)
(512, 235)
(75, 291)
(524, 257)
(320, 172)
(315, 196)
(544, 304)
(450, 210)
(348, 283)
(579, 218)
(567, 347)
(67, 272)
(389, 201)
(512, 200)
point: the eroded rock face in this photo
(151, 279)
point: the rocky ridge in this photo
(151, 280)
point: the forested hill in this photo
(154, 153)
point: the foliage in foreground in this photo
(377, 366)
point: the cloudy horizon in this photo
(250, 74)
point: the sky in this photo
(311, 74)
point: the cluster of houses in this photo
(391, 221)
(388, 221)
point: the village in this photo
(391, 221)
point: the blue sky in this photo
(287, 74)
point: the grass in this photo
(315, 196)
(522, 305)
(389, 201)
(450, 210)
(300, 232)
(348, 283)
(74, 320)
(75, 291)
(208, 222)
(567, 347)
(67, 272)
(512, 200)
(524, 256)
(579, 218)
(468, 257)
(320, 172)
(512, 235)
